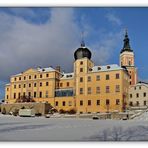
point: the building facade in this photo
(138, 95)
(87, 89)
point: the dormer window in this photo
(108, 67)
(99, 68)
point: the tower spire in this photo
(126, 45)
(82, 39)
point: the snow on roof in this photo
(140, 84)
(48, 69)
(106, 68)
(8, 84)
(67, 76)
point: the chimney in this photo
(58, 68)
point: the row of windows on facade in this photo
(98, 77)
(29, 85)
(98, 90)
(136, 88)
(137, 103)
(30, 95)
(89, 102)
(137, 95)
(30, 77)
(89, 91)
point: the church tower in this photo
(127, 60)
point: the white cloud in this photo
(104, 49)
(113, 18)
(24, 45)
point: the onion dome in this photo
(82, 52)
(126, 46)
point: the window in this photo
(131, 95)
(144, 103)
(81, 69)
(144, 94)
(19, 78)
(117, 102)
(24, 85)
(139, 87)
(40, 83)
(15, 79)
(29, 94)
(56, 103)
(19, 95)
(14, 86)
(7, 89)
(130, 82)
(46, 94)
(129, 62)
(81, 79)
(40, 75)
(61, 84)
(81, 62)
(34, 94)
(97, 90)
(46, 83)
(81, 90)
(98, 102)
(35, 76)
(70, 103)
(107, 89)
(14, 96)
(117, 88)
(7, 96)
(89, 102)
(34, 84)
(67, 84)
(107, 77)
(135, 88)
(131, 103)
(29, 77)
(19, 85)
(137, 95)
(81, 103)
(40, 94)
(117, 76)
(137, 103)
(29, 85)
(24, 94)
(97, 78)
(63, 103)
(24, 78)
(47, 75)
(107, 102)
(89, 90)
(89, 78)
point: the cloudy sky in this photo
(32, 37)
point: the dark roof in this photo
(126, 45)
(82, 52)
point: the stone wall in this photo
(42, 108)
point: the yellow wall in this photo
(55, 79)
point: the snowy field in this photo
(65, 129)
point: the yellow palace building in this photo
(87, 89)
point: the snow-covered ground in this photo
(65, 129)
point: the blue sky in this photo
(31, 37)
